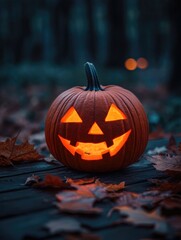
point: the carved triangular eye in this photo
(71, 116)
(114, 114)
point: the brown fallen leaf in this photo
(32, 180)
(11, 153)
(80, 206)
(172, 202)
(80, 181)
(147, 199)
(83, 236)
(140, 217)
(86, 194)
(91, 191)
(172, 146)
(165, 185)
(64, 225)
(171, 164)
(51, 181)
(80, 200)
(111, 187)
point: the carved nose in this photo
(95, 129)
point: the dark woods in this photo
(71, 32)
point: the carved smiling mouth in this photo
(94, 151)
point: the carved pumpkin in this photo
(96, 128)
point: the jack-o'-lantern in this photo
(96, 128)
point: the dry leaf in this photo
(165, 185)
(172, 146)
(136, 200)
(64, 225)
(166, 163)
(80, 181)
(32, 180)
(83, 198)
(79, 201)
(111, 187)
(51, 181)
(11, 153)
(139, 217)
(172, 202)
(80, 206)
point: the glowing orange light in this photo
(94, 151)
(130, 64)
(114, 114)
(71, 116)
(90, 150)
(142, 63)
(95, 129)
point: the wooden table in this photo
(24, 210)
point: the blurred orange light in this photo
(142, 63)
(130, 64)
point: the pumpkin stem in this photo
(93, 81)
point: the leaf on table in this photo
(147, 199)
(111, 187)
(64, 225)
(172, 146)
(91, 191)
(11, 153)
(80, 181)
(80, 200)
(173, 202)
(80, 206)
(140, 217)
(32, 180)
(86, 194)
(83, 236)
(51, 181)
(165, 185)
(170, 161)
(171, 164)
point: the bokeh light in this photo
(142, 63)
(130, 64)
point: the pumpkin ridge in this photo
(143, 115)
(124, 123)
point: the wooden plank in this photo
(43, 166)
(31, 225)
(35, 200)
(27, 168)
(24, 209)
(130, 175)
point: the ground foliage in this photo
(158, 208)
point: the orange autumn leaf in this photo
(80, 181)
(111, 187)
(80, 206)
(140, 217)
(11, 153)
(51, 181)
